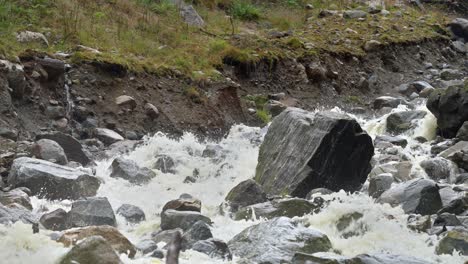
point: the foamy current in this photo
(386, 230)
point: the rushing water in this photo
(386, 230)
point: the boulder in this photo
(94, 249)
(146, 246)
(462, 133)
(151, 111)
(450, 109)
(111, 234)
(32, 37)
(199, 231)
(289, 207)
(126, 101)
(130, 171)
(418, 196)
(183, 204)
(214, 248)
(171, 219)
(451, 74)
(397, 141)
(108, 136)
(14, 213)
(191, 16)
(93, 211)
(456, 239)
(401, 171)
(70, 145)
(459, 27)
(165, 164)
(49, 150)
(457, 206)
(351, 14)
(387, 101)
(245, 193)
(15, 196)
(303, 151)
(52, 181)
(379, 184)
(439, 168)
(55, 68)
(277, 240)
(446, 219)
(8, 133)
(131, 213)
(400, 122)
(55, 220)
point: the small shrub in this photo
(194, 94)
(263, 115)
(295, 43)
(244, 10)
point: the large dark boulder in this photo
(214, 248)
(171, 219)
(13, 214)
(52, 181)
(94, 249)
(70, 145)
(277, 240)
(459, 27)
(245, 193)
(94, 211)
(130, 171)
(49, 150)
(303, 151)
(55, 220)
(131, 213)
(400, 122)
(450, 107)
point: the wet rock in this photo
(93, 211)
(151, 111)
(438, 168)
(419, 86)
(49, 150)
(70, 145)
(277, 240)
(183, 204)
(157, 254)
(191, 16)
(456, 239)
(212, 151)
(31, 37)
(94, 249)
(446, 219)
(419, 223)
(327, 258)
(108, 136)
(457, 206)
(55, 220)
(214, 248)
(462, 133)
(351, 14)
(298, 154)
(14, 213)
(165, 164)
(397, 141)
(320, 191)
(276, 208)
(450, 149)
(51, 180)
(400, 122)
(449, 108)
(199, 231)
(171, 219)
(131, 213)
(245, 193)
(379, 184)
(111, 234)
(126, 102)
(165, 236)
(130, 171)
(15, 196)
(344, 225)
(459, 27)
(401, 171)
(419, 196)
(146, 246)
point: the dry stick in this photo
(174, 249)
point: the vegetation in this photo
(260, 102)
(149, 35)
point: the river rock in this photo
(214, 248)
(397, 141)
(303, 151)
(457, 206)
(419, 196)
(328, 258)
(108, 136)
(199, 231)
(70, 145)
(165, 164)
(277, 240)
(165, 236)
(171, 219)
(146, 246)
(439, 168)
(55, 220)
(446, 219)
(126, 101)
(379, 184)
(151, 111)
(387, 101)
(15, 196)
(15, 213)
(94, 249)
(93, 211)
(289, 207)
(49, 150)
(111, 234)
(319, 191)
(459, 27)
(8, 133)
(462, 133)
(401, 171)
(50, 180)
(244, 194)
(131, 213)
(456, 239)
(400, 122)
(449, 107)
(451, 74)
(183, 204)
(130, 171)
(29, 37)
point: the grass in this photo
(260, 102)
(149, 35)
